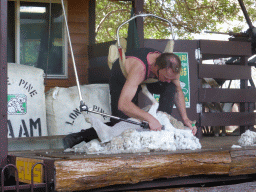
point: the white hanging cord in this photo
(71, 50)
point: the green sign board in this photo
(184, 78)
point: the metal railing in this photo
(19, 186)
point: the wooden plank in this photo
(82, 69)
(226, 95)
(3, 83)
(51, 83)
(89, 173)
(77, 17)
(78, 49)
(225, 119)
(80, 60)
(79, 38)
(57, 82)
(78, 27)
(224, 71)
(243, 162)
(78, 6)
(220, 49)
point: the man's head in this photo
(169, 60)
(169, 66)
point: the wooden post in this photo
(92, 19)
(3, 83)
(243, 85)
(138, 8)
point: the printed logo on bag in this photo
(157, 97)
(16, 104)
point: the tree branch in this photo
(108, 15)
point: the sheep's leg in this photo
(147, 93)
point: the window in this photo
(36, 36)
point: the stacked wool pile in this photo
(134, 139)
(248, 138)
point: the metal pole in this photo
(247, 18)
(142, 15)
(143, 124)
(118, 118)
(72, 53)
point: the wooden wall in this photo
(78, 21)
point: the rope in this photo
(72, 53)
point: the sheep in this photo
(124, 137)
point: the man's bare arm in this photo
(181, 106)
(135, 76)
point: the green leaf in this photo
(187, 17)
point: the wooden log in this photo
(95, 172)
(243, 162)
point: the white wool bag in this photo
(63, 107)
(25, 102)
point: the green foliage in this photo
(109, 15)
(187, 17)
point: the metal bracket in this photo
(198, 54)
(199, 108)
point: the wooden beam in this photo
(221, 49)
(138, 8)
(228, 118)
(227, 95)
(3, 83)
(92, 19)
(225, 71)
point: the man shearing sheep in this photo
(161, 72)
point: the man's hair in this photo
(171, 60)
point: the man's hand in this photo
(188, 123)
(154, 125)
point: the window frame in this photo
(17, 37)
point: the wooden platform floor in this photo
(79, 171)
(208, 143)
(244, 187)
